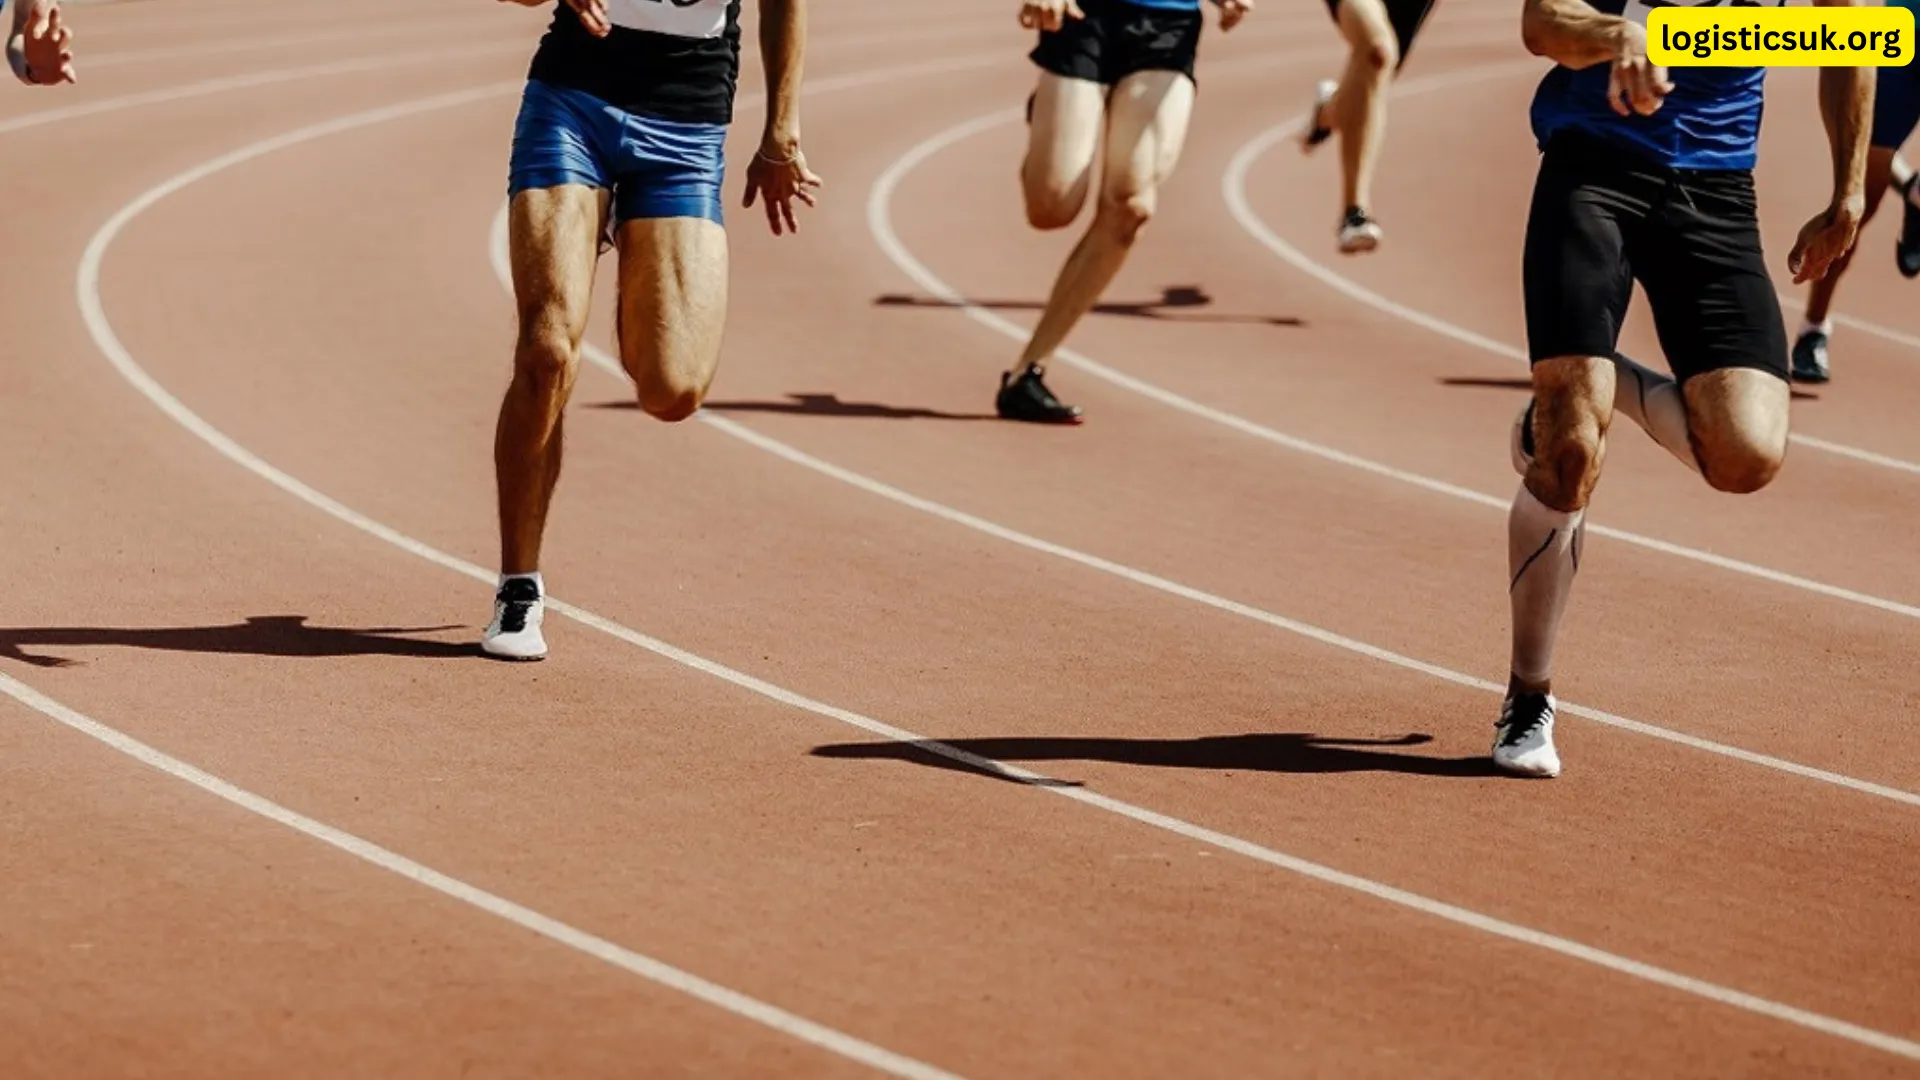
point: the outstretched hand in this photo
(1048, 15)
(1828, 236)
(777, 180)
(43, 52)
(593, 13)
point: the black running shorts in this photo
(1117, 39)
(1405, 16)
(1604, 217)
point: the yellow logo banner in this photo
(1715, 36)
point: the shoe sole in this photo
(1359, 245)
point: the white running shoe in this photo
(1358, 232)
(1520, 442)
(514, 633)
(1523, 740)
(1315, 134)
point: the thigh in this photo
(1706, 279)
(1065, 116)
(1738, 416)
(553, 245)
(1146, 129)
(1364, 23)
(673, 302)
(1574, 270)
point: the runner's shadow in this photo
(1291, 752)
(260, 635)
(825, 405)
(1527, 384)
(1172, 298)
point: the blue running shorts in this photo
(655, 168)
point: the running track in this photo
(1212, 676)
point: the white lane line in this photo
(1233, 185)
(879, 214)
(88, 288)
(604, 361)
(93, 311)
(546, 926)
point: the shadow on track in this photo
(1172, 298)
(260, 635)
(823, 405)
(1254, 752)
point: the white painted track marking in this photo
(93, 311)
(546, 926)
(880, 224)
(1233, 184)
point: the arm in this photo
(783, 48)
(1846, 105)
(1572, 33)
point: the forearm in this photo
(1846, 104)
(1572, 33)
(783, 47)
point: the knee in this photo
(544, 355)
(672, 398)
(1380, 55)
(1050, 205)
(1567, 466)
(1742, 469)
(1124, 214)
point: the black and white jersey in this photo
(671, 59)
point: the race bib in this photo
(681, 18)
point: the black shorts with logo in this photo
(1605, 216)
(1117, 39)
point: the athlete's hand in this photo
(42, 54)
(593, 16)
(1825, 238)
(1232, 11)
(1637, 84)
(778, 176)
(1048, 15)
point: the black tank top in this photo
(671, 59)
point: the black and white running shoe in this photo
(514, 633)
(1027, 398)
(1907, 251)
(1358, 232)
(1810, 357)
(1523, 737)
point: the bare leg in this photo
(1146, 128)
(1359, 108)
(553, 237)
(1739, 418)
(1062, 139)
(673, 310)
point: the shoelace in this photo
(1527, 714)
(516, 604)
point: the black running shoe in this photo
(1027, 398)
(1907, 251)
(1810, 357)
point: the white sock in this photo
(539, 584)
(1654, 401)
(1807, 327)
(1543, 553)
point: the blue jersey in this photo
(1711, 119)
(1166, 5)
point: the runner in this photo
(1646, 177)
(1124, 67)
(1896, 108)
(40, 46)
(1379, 34)
(621, 142)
